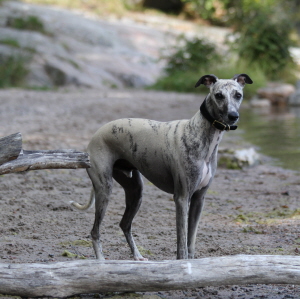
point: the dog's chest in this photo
(206, 174)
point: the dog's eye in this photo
(219, 96)
(238, 95)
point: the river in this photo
(276, 133)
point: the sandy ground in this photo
(250, 211)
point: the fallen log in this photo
(10, 147)
(52, 159)
(14, 159)
(63, 279)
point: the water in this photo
(276, 132)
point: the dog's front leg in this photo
(196, 205)
(181, 202)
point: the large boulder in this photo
(276, 93)
(75, 49)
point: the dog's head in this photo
(225, 96)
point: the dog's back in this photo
(138, 144)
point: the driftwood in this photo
(14, 159)
(35, 160)
(64, 279)
(10, 147)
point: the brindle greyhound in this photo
(179, 157)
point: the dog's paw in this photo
(141, 259)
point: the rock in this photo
(75, 48)
(294, 99)
(238, 159)
(277, 93)
(260, 103)
(247, 157)
(81, 50)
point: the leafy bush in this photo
(12, 71)
(266, 41)
(192, 55)
(185, 81)
(177, 81)
(27, 23)
(261, 50)
(266, 44)
(196, 58)
(232, 67)
(209, 10)
(189, 58)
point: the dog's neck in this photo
(200, 123)
(198, 129)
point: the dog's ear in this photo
(207, 80)
(242, 79)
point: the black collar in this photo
(217, 124)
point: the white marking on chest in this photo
(206, 171)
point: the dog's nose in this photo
(233, 116)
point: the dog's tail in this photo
(81, 207)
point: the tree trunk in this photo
(10, 147)
(64, 279)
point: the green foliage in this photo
(192, 55)
(266, 41)
(261, 50)
(235, 66)
(185, 81)
(27, 23)
(177, 81)
(196, 58)
(15, 44)
(10, 42)
(266, 44)
(210, 10)
(12, 71)
(190, 58)
(240, 12)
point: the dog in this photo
(179, 157)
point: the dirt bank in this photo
(250, 211)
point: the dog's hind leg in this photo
(102, 187)
(133, 187)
